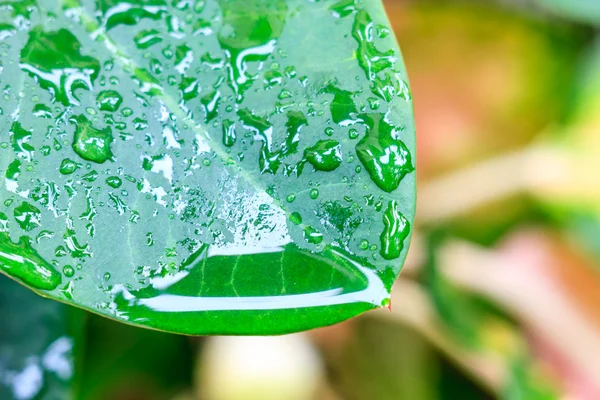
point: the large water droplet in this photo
(248, 33)
(109, 100)
(27, 216)
(385, 157)
(55, 59)
(147, 38)
(90, 143)
(129, 12)
(20, 139)
(396, 229)
(229, 135)
(342, 107)
(343, 8)
(23, 263)
(68, 166)
(325, 155)
(210, 103)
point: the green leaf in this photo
(120, 361)
(36, 345)
(218, 167)
(586, 11)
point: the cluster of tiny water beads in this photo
(150, 136)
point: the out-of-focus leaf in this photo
(36, 345)
(462, 314)
(571, 191)
(481, 325)
(382, 360)
(587, 11)
(205, 167)
(572, 153)
(550, 292)
(453, 384)
(524, 385)
(122, 362)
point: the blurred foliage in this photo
(122, 362)
(585, 11)
(498, 300)
(36, 344)
(389, 361)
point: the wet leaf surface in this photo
(218, 167)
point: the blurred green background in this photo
(500, 296)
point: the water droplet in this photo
(140, 124)
(229, 135)
(210, 103)
(68, 271)
(396, 229)
(114, 182)
(27, 216)
(55, 60)
(325, 155)
(42, 111)
(290, 72)
(373, 103)
(68, 166)
(272, 78)
(249, 39)
(312, 235)
(314, 193)
(343, 8)
(90, 143)
(149, 239)
(270, 160)
(189, 88)
(364, 244)
(129, 13)
(202, 27)
(342, 107)
(385, 157)
(147, 38)
(109, 100)
(183, 59)
(90, 176)
(20, 138)
(290, 198)
(23, 263)
(296, 218)
(384, 84)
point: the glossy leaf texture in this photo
(36, 345)
(205, 167)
